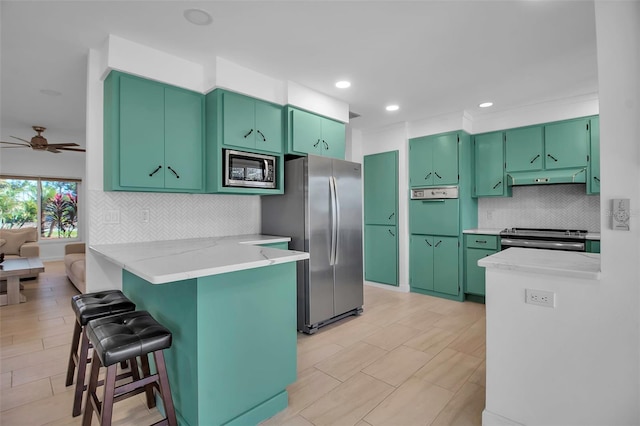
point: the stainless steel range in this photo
(552, 239)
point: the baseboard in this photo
(492, 419)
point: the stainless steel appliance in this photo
(321, 210)
(552, 239)
(435, 193)
(246, 169)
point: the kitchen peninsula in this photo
(523, 385)
(230, 304)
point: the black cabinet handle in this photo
(155, 171)
(250, 131)
(391, 215)
(392, 234)
(552, 157)
(316, 144)
(326, 145)
(261, 134)
(428, 176)
(427, 241)
(534, 158)
(481, 241)
(173, 171)
(438, 243)
(439, 177)
(497, 184)
(597, 178)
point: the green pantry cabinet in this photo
(153, 136)
(380, 217)
(308, 133)
(435, 225)
(476, 247)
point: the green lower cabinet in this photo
(281, 246)
(477, 247)
(381, 254)
(593, 246)
(434, 265)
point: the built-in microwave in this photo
(249, 170)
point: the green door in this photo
(420, 162)
(421, 262)
(445, 265)
(381, 188)
(268, 127)
(489, 165)
(445, 159)
(474, 274)
(381, 254)
(306, 132)
(333, 138)
(183, 139)
(141, 133)
(593, 186)
(523, 149)
(238, 121)
(566, 144)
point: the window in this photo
(50, 204)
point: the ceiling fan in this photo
(39, 143)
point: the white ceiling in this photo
(430, 57)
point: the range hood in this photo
(547, 177)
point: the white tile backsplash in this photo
(171, 216)
(544, 206)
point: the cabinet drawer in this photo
(434, 217)
(489, 242)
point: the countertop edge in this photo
(483, 231)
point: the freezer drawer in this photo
(434, 217)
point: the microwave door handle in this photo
(265, 175)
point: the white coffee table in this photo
(12, 270)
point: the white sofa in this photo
(74, 264)
(20, 242)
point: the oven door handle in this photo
(553, 245)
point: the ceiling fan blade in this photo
(17, 146)
(15, 143)
(58, 145)
(73, 149)
(52, 149)
(20, 139)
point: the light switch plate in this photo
(620, 214)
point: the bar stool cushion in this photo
(95, 305)
(124, 336)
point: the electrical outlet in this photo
(144, 217)
(540, 297)
(111, 216)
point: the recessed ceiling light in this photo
(486, 104)
(392, 107)
(343, 84)
(198, 16)
(50, 92)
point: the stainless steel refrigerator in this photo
(321, 210)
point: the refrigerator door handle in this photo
(336, 255)
(334, 219)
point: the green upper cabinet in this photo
(153, 136)
(566, 144)
(381, 188)
(593, 185)
(308, 133)
(250, 124)
(489, 166)
(433, 160)
(524, 149)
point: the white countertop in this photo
(161, 262)
(593, 236)
(483, 231)
(549, 262)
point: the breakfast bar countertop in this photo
(167, 261)
(550, 262)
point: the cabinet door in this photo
(434, 217)
(381, 188)
(305, 132)
(421, 262)
(141, 133)
(523, 149)
(238, 123)
(268, 127)
(593, 186)
(566, 144)
(474, 274)
(381, 254)
(489, 165)
(183, 139)
(445, 264)
(333, 138)
(445, 159)
(420, 162)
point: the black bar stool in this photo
(119, 338)
(87, 307)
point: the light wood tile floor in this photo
(407, 360)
